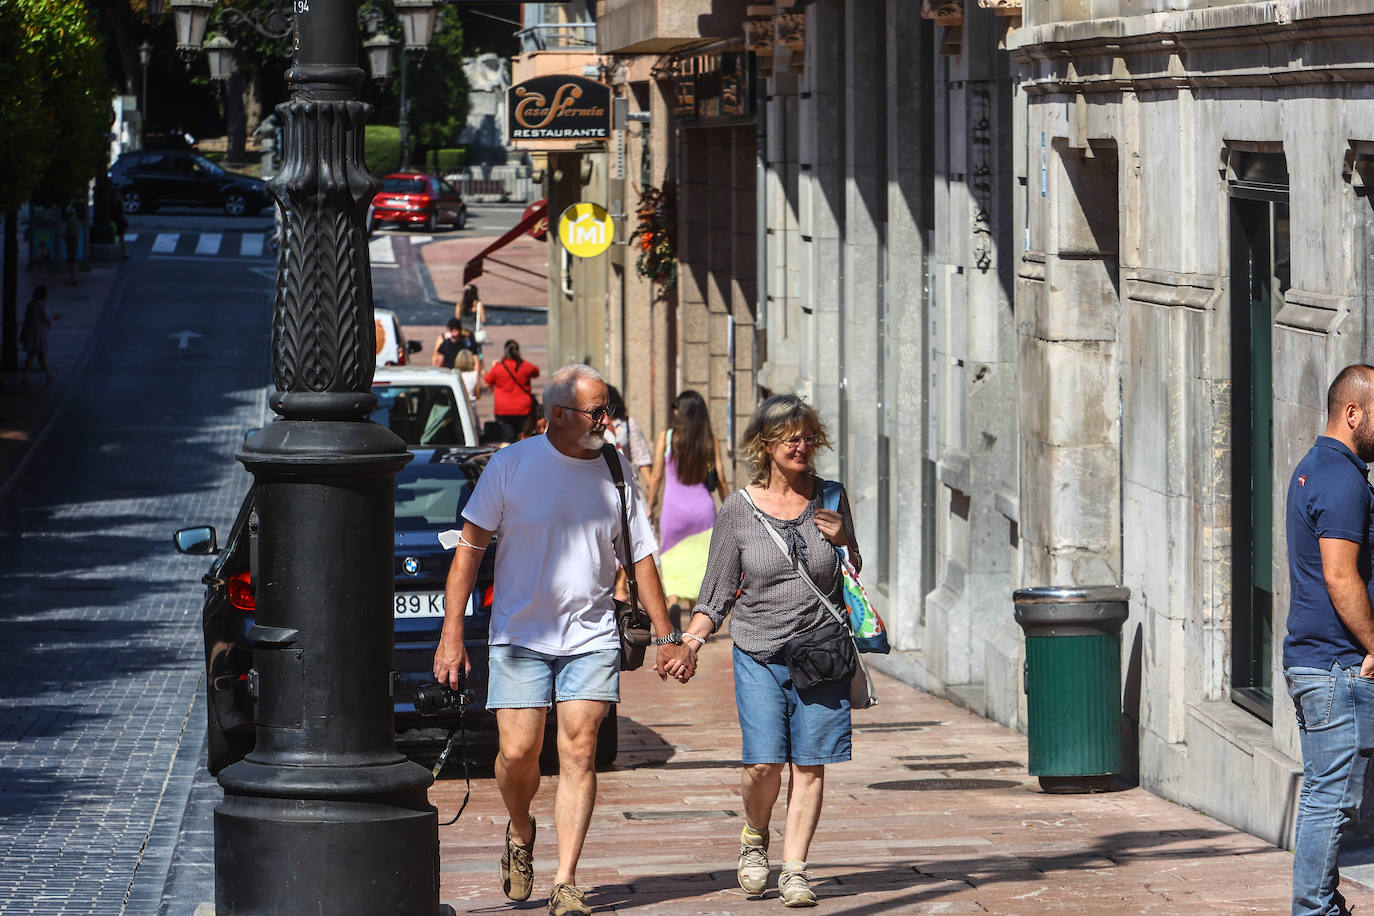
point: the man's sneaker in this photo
(517, 866)
(795, 888)
(567, 900)
(753, 863)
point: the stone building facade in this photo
(1069, 281)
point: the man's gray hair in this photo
(562, 388)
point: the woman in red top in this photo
(509, 380)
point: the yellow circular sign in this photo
(586, 230)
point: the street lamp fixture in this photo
(381, 55)
(219, 54)
(419, 19)
(192, 18)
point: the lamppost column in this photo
(324, 815)
(405, 114)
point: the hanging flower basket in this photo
(657, 213)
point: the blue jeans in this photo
(1335, 710)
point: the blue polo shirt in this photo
(1328, 497)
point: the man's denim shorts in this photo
(783, 725)
(525, 679)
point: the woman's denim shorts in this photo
(781, 724)
(525, 679)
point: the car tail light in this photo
(241, 592)
(488, 595)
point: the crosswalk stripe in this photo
(130, 237)
(380, 250)
(250, 244)
(166, 242)
(209, 243)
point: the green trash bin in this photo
(1073, 683)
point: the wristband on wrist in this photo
(693, 636)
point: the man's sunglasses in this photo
(598, 413)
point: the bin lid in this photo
(1071, 610)
(1070, 594)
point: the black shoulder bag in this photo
(631, 621)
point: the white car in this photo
(427, 406)
(392, 347)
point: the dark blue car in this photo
(431, 492)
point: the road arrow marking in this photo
(183, 338)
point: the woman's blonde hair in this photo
(779, 417)
(465, 361)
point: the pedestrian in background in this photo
(34, 335)
(1328, 653)
(470, 371)
(454, 340)
(554, 505)
(683, 485)
(623, 432)
(512, 395)
(473, 316)
(773, 605)
(71, 238)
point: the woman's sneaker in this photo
(795, 889)
(753, 862)
(517, 866)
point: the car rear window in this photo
(431, 494)
(422, 415)
(403, 185)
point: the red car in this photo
(417, 199)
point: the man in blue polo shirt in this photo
(1326, 654)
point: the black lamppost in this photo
(324, 815)
(145, 57)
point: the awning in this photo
(473, 269)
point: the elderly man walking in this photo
(1326, 654)
(553, 503)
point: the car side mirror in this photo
(201, 540)
(414, 346)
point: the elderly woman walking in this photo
(773, 606)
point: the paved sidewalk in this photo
(935, 814)
(77, 310)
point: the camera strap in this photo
(461, 734)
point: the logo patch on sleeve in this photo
(1302, 480)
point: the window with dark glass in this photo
(1258, 199)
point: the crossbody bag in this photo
(631, 621)
(821, 656)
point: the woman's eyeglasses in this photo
(799, 441)
(598, 413)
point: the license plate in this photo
(423, 604)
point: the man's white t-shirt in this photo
(558, 523)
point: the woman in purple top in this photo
(687, 475)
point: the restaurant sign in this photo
(559, 108)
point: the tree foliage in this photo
(54, 101)
(439, 89)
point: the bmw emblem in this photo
(411, 565)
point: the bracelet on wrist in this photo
(695, 638)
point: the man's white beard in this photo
(593, 440)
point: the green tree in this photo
(439, 90)
(54, 118)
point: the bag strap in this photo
(529, 390)
(830, 499)
(618, 475)
(793, 562)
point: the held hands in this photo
(451, 663)
(831, 526)
(678, 662)
(1367, 666)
